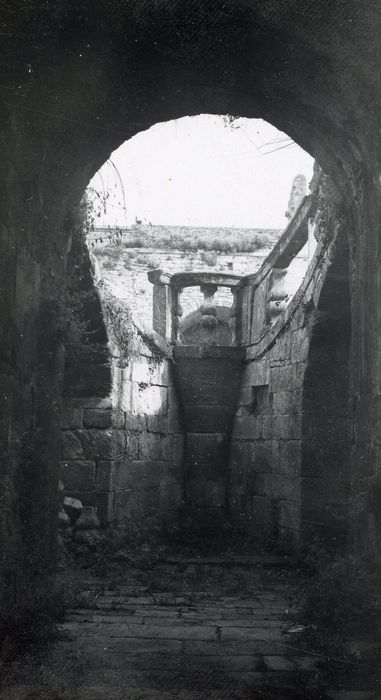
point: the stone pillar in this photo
(277, 294)
(161, 304)
(177, 312)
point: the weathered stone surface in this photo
(71, 418)
(206, 448)
(67, 533)
(151, 399)
(284, 487)
(173, 449)
(119, 419)
(82, 383)
(282, 378)
(240, 454)
(105, 503)
(352, 695)
(88, 537)
(289, 456)
(73, 507)
(35, 234)
(157, 423)
(207, 494)
(98, 444)
(152, 446)
(107, 475)
(121, 555)
(88, 519)
(170, 498)
(208, 394)
(145, 473)
(248, 427)
(208, 419)
(283, 401)
(63, 520)
(97, 418)
(175, 420)
(257, 372)
(278, 663)
(78, 475)
(71, 446)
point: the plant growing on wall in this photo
(129, 340)
(209, 258)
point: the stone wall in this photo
(266, 442)
(87, 368)
(290, 444)
(151, 478)
(209, 380)
(30, 366)
(124, 454)
(125, 270)
(69, 108)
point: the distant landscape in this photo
(186, 238)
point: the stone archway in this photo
(80, 80)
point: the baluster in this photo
(208, 309)
(234, 314)
(277, 295)
(177, 312)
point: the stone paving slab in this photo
(138, 643)
(260, 560)
(246, 633)
(121, 629)
(129, 647)
(279, 663)
(242, 647)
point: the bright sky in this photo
(198, 171)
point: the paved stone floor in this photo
(191, 629)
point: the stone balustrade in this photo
(258, 299)
(266, 294)
(167, 310)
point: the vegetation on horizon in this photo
(184, 239)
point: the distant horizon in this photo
(200, 226)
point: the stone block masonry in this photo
(125, 268)
(124, 454)
(288, 473)
(264, 486)
(209, 380)
(252, 432)
(48, 157)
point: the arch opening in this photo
(91, 80)
(126, 245)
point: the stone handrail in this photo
(288, 246)
(271, 275)
(258, 299)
